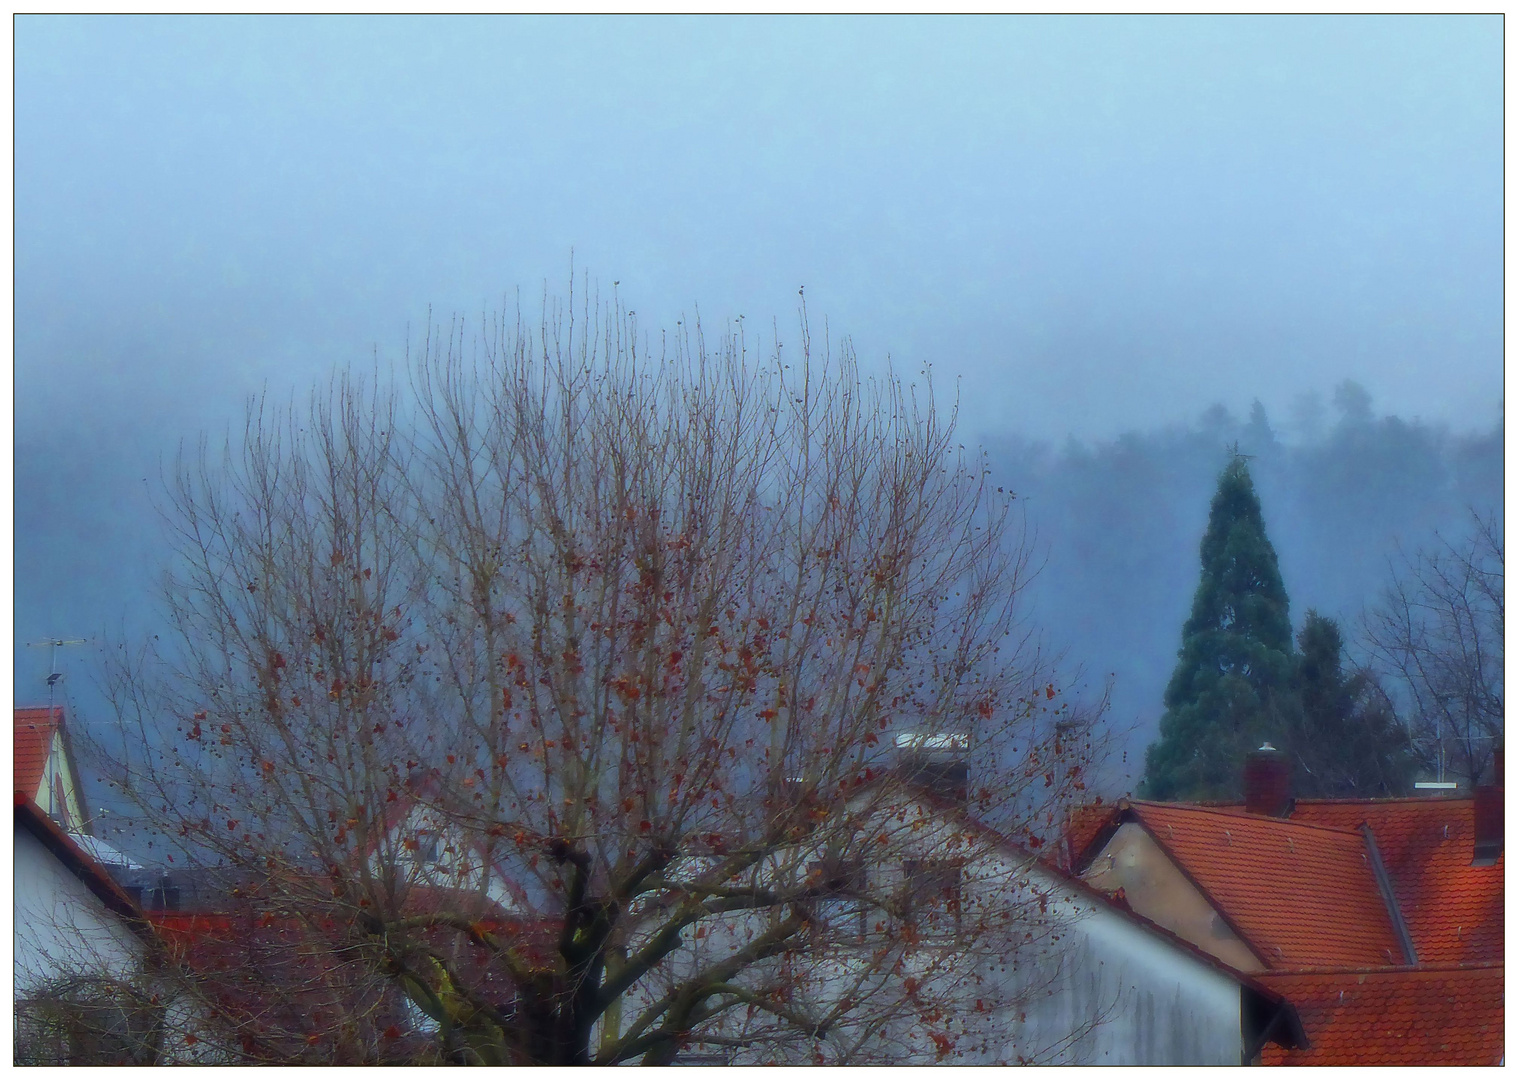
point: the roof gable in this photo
(1132, 865)
(44, 769)
(1302, 895)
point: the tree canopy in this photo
(1231, 686)
(1437, 634)
(1344, 737)
(561, 694)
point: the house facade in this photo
(82, 952)
(1381, 920)
(1058, 973)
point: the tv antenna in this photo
(54, 675)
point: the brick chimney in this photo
(1488, 847)
(1267, 782)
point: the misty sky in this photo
(1095, 224)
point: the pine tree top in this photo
(1240, 594)
(1232, 682)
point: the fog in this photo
(1110, 236)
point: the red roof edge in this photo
(82, 865)
(1392, 969)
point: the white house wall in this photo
(61, 927)
(1094, 989)
(1091, 987)
(1117, 994)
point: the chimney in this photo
(938, 763)
(1488, 847)
(1267, 782)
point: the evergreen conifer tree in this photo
(1344, 739)
(1232, 687)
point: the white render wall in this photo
(1096, 988)
(61, 927)
(1100, 990)
(1118, 994)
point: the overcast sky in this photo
(1094, 224)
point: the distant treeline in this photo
(1118, 524)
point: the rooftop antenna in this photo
(54, 675)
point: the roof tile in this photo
(34, 742)
(1453, 910)
(1302, 895)
(1440, 1015)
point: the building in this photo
(1107, 985)
(1380, 919)
(81, 953)
(1066, 974)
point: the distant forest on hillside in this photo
(1347, 496)
(1115, 525)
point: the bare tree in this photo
(575, 693)
(1437, 633)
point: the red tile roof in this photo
(1301, 895)
(34, 741)
(1444, 1015)
(1453, 910)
